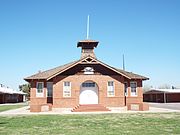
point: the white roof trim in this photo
(165, 90)
(10, 91)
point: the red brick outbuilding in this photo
(162, 95)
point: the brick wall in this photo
(101, 80)
(76, 80)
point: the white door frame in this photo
(89, 94)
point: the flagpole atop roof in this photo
(123, 63)
(87, 36)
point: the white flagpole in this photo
(87, 36)
(123, 63)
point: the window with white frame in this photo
(133, 88)
(67, 89)
(39, 89)
(110, 89)
(125, 89)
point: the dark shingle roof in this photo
(53, 72)
(132, 75)
(49, 73)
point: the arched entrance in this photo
(88, 93)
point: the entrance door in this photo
(88, 93)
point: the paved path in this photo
(174, 106)
(21, 103)
(25, 111)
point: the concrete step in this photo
(90, 108)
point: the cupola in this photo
(87, 47)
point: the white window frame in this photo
(126, 93)
(110, 89)
(66, 89)
(39, 94)
(47, 89)
(133, 93)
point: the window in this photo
(67, 89)
(125, 89)
(88, 70)
(110, 89)
(133, 88)
(39, 89)
(89, 84)
(87, 50)
(49, 89)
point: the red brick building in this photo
(86, 81)
(8, 95)
(162, 95)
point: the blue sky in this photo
(42, 34)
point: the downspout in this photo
(125, 100)
(3, 98)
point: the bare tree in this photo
(164, 86)
(147, 88)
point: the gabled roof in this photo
(133, 75)
(49, 74)
(154, 90)
(11, 91)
